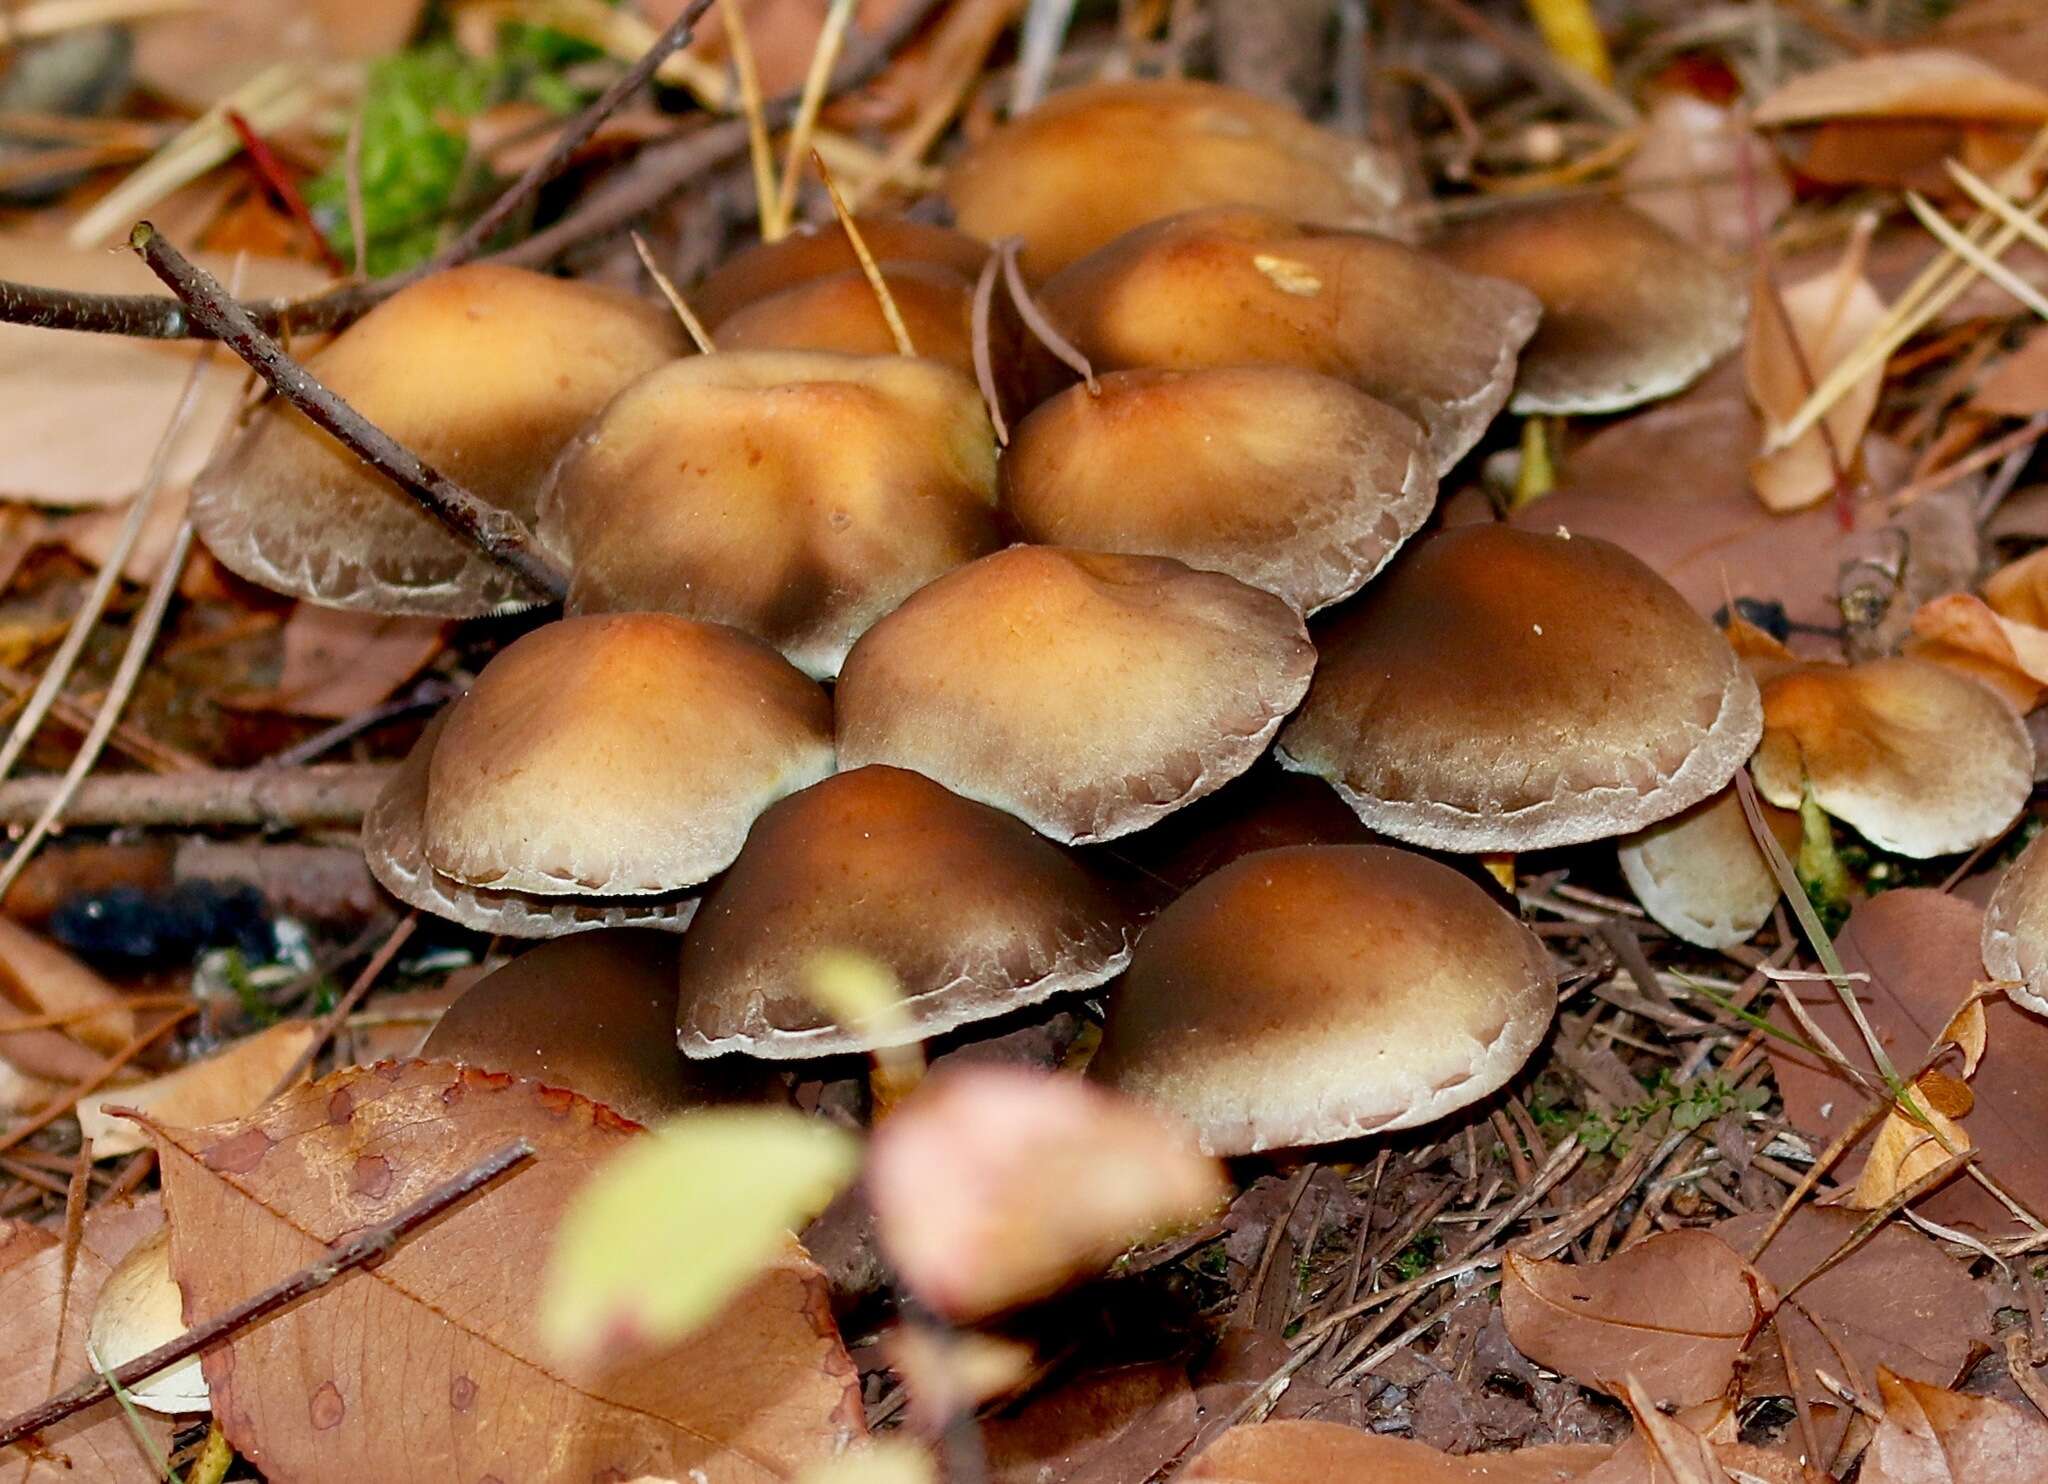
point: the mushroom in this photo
(1919, 759)
(1234, 287)
(138, 1309)
(1091, 163)
(973, 914)
(594, 1014)
(1284, 479)
(821, 250)
(1499, 690)
(1631, 311)
(1266, 808)
(839, 312)
(796, 495)
(2016, 930)
(1088, 694)
(485, 373)
(394, 847)
(1700, 875)
(1319, 992)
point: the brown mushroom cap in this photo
(1233, 287)
(485, 373)
(619, 754)
(595, 1014)
(1631, 311)
(1285, 479)
(1091, 163)
(839, 312)
(1919, 759)
(1320, 992)
(816, 250)
(394, 847)
(1700, 875)
(2016, 929)
(1087, 694)
(973, 913)
(795, 495)
(1500, 690)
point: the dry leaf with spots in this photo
(338, 662)
(993, 1186)
(1932, 1436)
(1829, 316)
(443, 1334)
(1964, 632)
(1674, 1312)
(233, 1081)
(1325, 1453)
(45, 1349)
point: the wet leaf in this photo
(1674, 1312)
(676, 1223)
(338, 662)
(1323, 1452)
(443, 1336)
(1932, 1436)
(96, 1446)
(993, 1186)
(233, 1081)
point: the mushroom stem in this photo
(498, 533)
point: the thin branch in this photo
(255, 798)
(370, 1247)
(498, 533)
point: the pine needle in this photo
(824, 57)
(898, 331)
(675, 298)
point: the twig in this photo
(692, 326)
(263, 798)
(345, 1006)
(498, 533)
(368, 1248)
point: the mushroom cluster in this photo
(911, 653)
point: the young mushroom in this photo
(1087, 694)
(619, 756)
(1091, 163)
(795, 495)
(485, 373)
(1700, 874)
(973, 913)
(594, 1014)
(1305, 995)
(1919, 759)
(1631, 311)
(1498, 690)
(1283, 478)
(1233, 287)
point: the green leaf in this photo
(681, 1220)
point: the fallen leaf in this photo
(1965, 633)
(338, 662)
(197, 57)
(81, 415)
(1932, 1436)
(2012, 35)
(636, 1264)
(1909, 1147)
(139, 1308)
(444, 1332)
(1829, 316)
(1323, 1452)
(1918, 83)
(38, 978)
(233, 1081)
(2017, 386)
(96, 1446)
(1897, 1301)
(1119, 1426)
(90, 535)
(951, 1373)
(1922, 950)
(1674, 1312)
(1661, 1448)
(1686, 171)
(993, 1186)
(2018, 591)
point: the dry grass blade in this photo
(760, 155)
(898, 331)
(691, 324)
(830, 38)
(1959, 244)
(978, 339)
(1877, 1218)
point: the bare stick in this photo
(499, 534)
(370, 1247)
(262, 798)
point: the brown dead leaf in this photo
(2011, 35)
(1923, 83)
(1932, 1436)
(338, 662)
(1686, 171)
(2018, 591)
(1324, 1453)
(1829, 316)
(199, 56)
(233, 1081)
(97, 1445)
(1965, 633)
(39, 978)
(1673, 1312)
(1922, 950)
(442, 1334)
(1911, 1146)
(1119, 1426)
(996, 1185)
(2017, 386)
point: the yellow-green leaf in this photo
(883, 1461)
